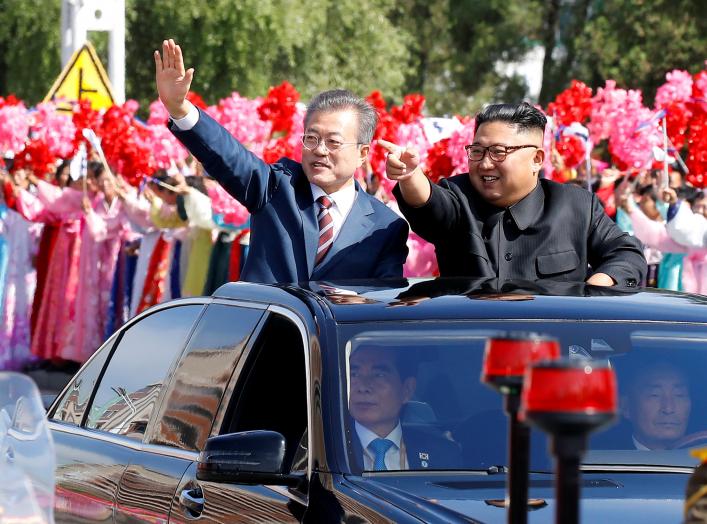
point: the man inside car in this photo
(657, 405)
(382, 381)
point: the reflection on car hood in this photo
(606, 497)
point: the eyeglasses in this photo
(497, 153)
(312, 142)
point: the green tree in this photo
(30, 53)
(634, 42)
(250, 45)
(458, 46)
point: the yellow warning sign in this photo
(82, 78)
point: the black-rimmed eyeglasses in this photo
(497, 153)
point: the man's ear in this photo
(409, 385)
(538, 160)
(363, 153)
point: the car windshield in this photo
(413, 399)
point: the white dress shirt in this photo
(392, 456)
(189, 120)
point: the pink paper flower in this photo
(224, 204)
(457, 141)
(240, 117)
(14, 127)
(54, 128)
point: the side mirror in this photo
(249, 457)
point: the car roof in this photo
(461, 298)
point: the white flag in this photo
(95, 142)
(79, 164)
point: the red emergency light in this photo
(506, 358)
(568, 393)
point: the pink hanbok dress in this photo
(50, 205)
(105, 228)
(18, 244)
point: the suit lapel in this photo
(357, 225)
(308, 212)
(415, 451)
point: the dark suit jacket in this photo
(284, 228)
(440, 453)
(554, 233)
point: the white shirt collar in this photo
(366, 436)
(343, 199)
(638, 445)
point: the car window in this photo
(271, 392)
(72, 406)
(420, 389)
(136, 372)
(193, 397)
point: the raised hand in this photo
(401, 162)
(173, 81)
(669, 196)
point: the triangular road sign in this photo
(82, 78)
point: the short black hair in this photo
(524, 116)
(64, 164)
(632, 371)
(161, 176)
(405, 359)
(95, 168)
(648, 191)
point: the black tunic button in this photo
(508, 257)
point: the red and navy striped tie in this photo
(326, 228)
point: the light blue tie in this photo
(380, 447)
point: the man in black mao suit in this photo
(382, 380)
(500, 220)
(309, 221)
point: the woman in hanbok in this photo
(18, 239)
(63, 207)
(106, 225)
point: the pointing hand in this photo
(401, 161)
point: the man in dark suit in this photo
(309, 221)
(382, 381)
(501, 220)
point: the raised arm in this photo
(173, 81)
(403, 166)
(245, 176)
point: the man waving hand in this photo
(309, 220)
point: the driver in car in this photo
(657, 404)
(382, 380)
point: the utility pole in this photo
(78, 17)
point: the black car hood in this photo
(624, 497)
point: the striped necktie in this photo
(326, 228)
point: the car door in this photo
(269, 391)
(184, 418)
(99, 421)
